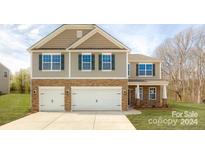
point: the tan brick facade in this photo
(68, 83)
(145, 102)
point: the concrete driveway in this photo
(71, 121)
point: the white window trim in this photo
(51, 70)
(129, 69)
(141, 98)
(145, 70)
(110, 54)
(155, 93)
(86, 62)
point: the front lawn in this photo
(13, 106)
(184, 118)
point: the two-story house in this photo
(4, 79)
(82, 67)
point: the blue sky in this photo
(15, 39)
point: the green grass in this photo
(13, 106)
(142, 121)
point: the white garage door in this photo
(96, 98)
(51, 98)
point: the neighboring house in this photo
(4, 79)
(81, 67)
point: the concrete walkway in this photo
(71, 121)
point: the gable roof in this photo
(64, 38)
(97, 41)
(4, 66)
(113, 42)
(141, 58)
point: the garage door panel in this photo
(96, 98)
(51, 98)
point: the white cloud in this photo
(24, 27)
(14, 42)
(11, 41)
(34, 34)
(139, 38)
(13, 47)
(35, 31)
(143, 44)
(13, 63)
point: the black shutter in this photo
(113, 62)
(62, 62)
(136, 69)
(153, 69)
(93, 62)
(100, 62)
(80, 62)
(40, 62)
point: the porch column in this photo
(137, 95)
(164, 92)
(164, 97)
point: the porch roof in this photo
(147, 82)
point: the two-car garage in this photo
(82, 98)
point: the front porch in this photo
(147, 93)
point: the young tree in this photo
(20, 82)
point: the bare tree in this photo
(183, 64)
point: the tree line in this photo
(183, 64)
(20, 81)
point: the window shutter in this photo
(113, 62)
(100, 62)
(62, 62)
(153, 69)
(136, 69)
(40, 62)
(93, 62)
(80, 62)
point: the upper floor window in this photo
(86, 61)
(106, 61)
(51, 62)
(128, 69)
(152, 93)
(145, 69)
(5, 74)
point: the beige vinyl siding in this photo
(39, 73)
(4, 82)
(120, 66)
(133, 71)
(64, 39)
(97, 41)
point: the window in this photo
(149, 69)
(152, 93)
(5, 74)
(106, 61)
(79, 34)
(145, 69)
(86, 61)
(141, 93)
(56, 59)
(128, 69)
(51, 62)
(46, 62)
